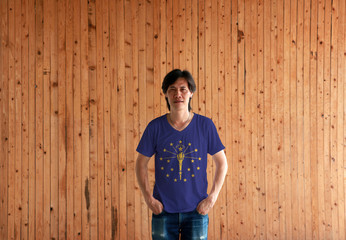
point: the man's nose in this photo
(178, 93)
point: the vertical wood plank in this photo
(130, 198)
(115, 211)
(31, 110)
(253, 118)
(157, 60)
(100, 122)
(25, 120)
(62, 116)
(208, 66)
(333, 119)
(248, 103)
(39, 121)
(18, 122)
(235, 123)
(122, 120)
(326, 120)
(77, 123)
(260, 115)
(163, 29)
(69, 123)
(11, 122)
(4, 66)
(93, 148)
(94, 121)
(107, 118)
(3, 101)
(286, 120)
(54, 171)
(280, 118)
(176, 34)
(169, 44)
(85, 105)
(267, 122)
(241, 115)
(183, 34)
(193, 8)
(341, 156)
(47, 13)
(201, 58)
(187, 36)
(320, 133)
(300, 119)
(274, 120)
(149, 60)
(293, 121)
(306, 120)
(313, 122)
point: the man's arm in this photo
(220, 161)
(143, 182)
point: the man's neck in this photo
(179, 116)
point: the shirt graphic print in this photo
(179, 161)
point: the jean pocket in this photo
(159, 215)
(200, 214)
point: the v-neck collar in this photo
(183, 130)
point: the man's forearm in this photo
(142, 178)
(220, 174)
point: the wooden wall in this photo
(80, 80)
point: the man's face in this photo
(178, 94)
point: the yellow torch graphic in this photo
(180, 157)
(180, 152)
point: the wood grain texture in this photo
(80, 80)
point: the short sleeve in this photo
(214, 142)
(146, 145)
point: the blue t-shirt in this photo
(180, 160)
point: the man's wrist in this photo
(213, 197)
(148, 197)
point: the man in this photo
(180, 141)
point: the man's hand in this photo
(155, 205)
(205, 205)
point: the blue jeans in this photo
(190, 225)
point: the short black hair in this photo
(172, 76)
